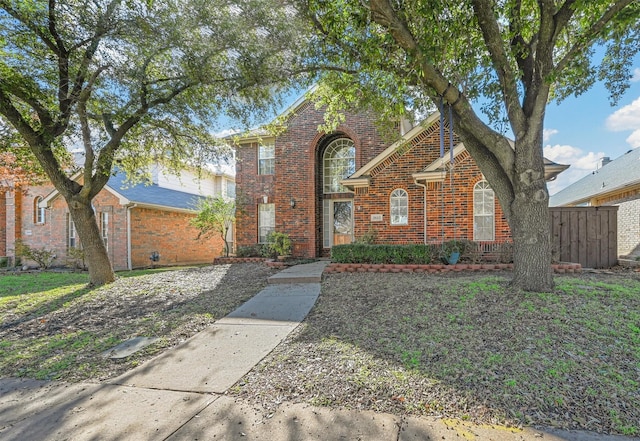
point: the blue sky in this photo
(579, 131)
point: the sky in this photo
(580, 131)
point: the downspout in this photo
(129, 207)
(424, 208)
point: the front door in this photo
(342, 214)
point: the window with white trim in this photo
(483, 212)
(266, 221)
(266, 159)
(71, 233)
(338, 163)
(399, 206)
(104, 228)
(39, 214)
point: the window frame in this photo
(399, 195)
(39, 213)
(483, 189)
(266, 164)
(262, 238)
(104, 228)
(72, 234)
(333, 167)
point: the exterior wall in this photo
(167, 232)
(154, 230)
(629, 228)
(451, 200)
(297, 176)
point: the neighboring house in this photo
(325, 189)
(135, 220)
(615, 183)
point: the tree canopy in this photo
(514, 56)
(130, 82)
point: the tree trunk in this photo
(530, 223)
(83, 216)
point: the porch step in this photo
(304, 273)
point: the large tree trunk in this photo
(83, 216)
(529, 219)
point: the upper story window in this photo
(266, 159)
(399, 204)
(338, 163)
(39, 214)
(483, 212)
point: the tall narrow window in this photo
(399, 207)
(483, 212)
(266, 159)
(338, 162)
(38, 211)
(71, 233)
(266, 221)
(104, 228)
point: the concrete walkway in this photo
(179, 395)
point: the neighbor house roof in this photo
(142, 195)
(614, 177)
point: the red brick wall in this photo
(169, 233)
(297, 176)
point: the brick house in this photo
(614, 183)
(135, 220)
(324, 189)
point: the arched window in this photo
(399, 207)
(483, 212)
(38, 211)
(338, 162)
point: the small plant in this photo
(249, 251)
(279, 244)
(43, 257)
(76, 258)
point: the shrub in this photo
(278, 244)
(76, 258)
(249, 251)
(43, 257)
(377, 254)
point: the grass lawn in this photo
(456, 345)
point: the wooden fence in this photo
(585, 235)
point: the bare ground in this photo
(461, 345)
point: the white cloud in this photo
(625, 118)
(634, 139)
(548, 133)
(636, 75)
(580, 164)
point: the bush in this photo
(43, 257)
(279, 244)
(249, 251)
(76, 258)
(377, 254)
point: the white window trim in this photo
(262, 238)
(396, 195)
(271, 159)
(477, 191)
(329, 164)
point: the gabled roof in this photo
(434, 172)
(146, 196)
(613, 177)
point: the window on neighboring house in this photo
(71, 233)
(483, 212)
(266, 159)
(231, 189)
(338, 163)
(38, 212)
(104, 228)
(266, 221)
(399, 207)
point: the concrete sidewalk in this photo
(179, 395)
